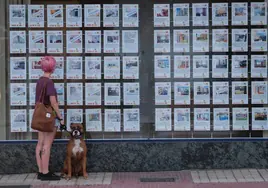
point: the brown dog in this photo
(76, 158)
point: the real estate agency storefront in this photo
(158, 85)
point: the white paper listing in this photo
(201, 119)
(259, 119)
(221, 120)
(182, 119)
(163, 119)
(161, 15)
(93, 120)
(17, 16)
(92, 15)
(240, 119)
(132, 120)
(112, 120)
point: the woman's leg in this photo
(48, 140)
(38, 150)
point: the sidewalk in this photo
(184, 179)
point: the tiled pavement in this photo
(257, 178)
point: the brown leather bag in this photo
(43, 117)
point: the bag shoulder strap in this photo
(43, 92)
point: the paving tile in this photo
(195, 177)
(4, 179)
(229, 176)
(212, 176)
(264, 174)
(220, 175)
(247, 175)
(238, 176)
(203, 176)
(256, 176)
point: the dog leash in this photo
(63, 127)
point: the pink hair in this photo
(48, 64)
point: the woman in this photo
(45, 139)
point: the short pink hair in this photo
(48, 64)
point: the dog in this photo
(76, 156)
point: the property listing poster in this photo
(220, 66)
(17, 16)
(182, 94)
(18, 94)
(92, 13)
(239, 66)
(36, 41)
(111, 41)
(74, 94)
(59, 69)
(55, 15)
(130, 67)
(240, 13)
(93, 94)
(182, 119)
(112, 120)
(259, 119)
(130, 41)
(17, 68)
(219, 14)
(54, 42)
(93, 67)
(74, 41)
(93, 41)
(181, 40)
(131, 93)
(162, 66)
(259, 92)
(32, 93)
(220, 40)
(258, 40)
(258, 13)
(239, 40)
(239, 92)
(18, 120)
(162, 93)
(182, 66)
(240, 119)
(161, 41)
(201, 119)
(112, 94)
(221, 120)
(200, 40)
(220, 92)
(200, 14)
(201, 93)
(93, 120)
(111, 15)
(60, 93)
(36, 16)
(74, 67)
(35, 70)
(132, 120)
(74, 15)
(181, 15)
(17, 42)
(112, 67)
(163, 119)
(201, 66)
(130, 15)
(258, 66)
(74, 116)
(161, 15)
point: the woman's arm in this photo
(55, 106)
